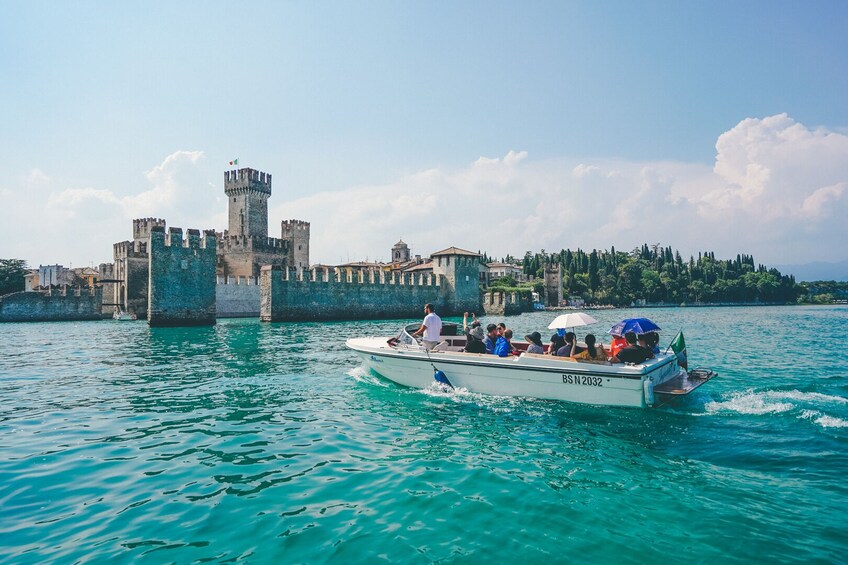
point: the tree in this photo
(12, 272)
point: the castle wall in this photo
(182, 278)
(241, 256)
(236, 297)
(506, 303)
(52, 306)
(318, 295)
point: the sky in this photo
(502, 127)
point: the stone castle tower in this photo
(245, 246)
(247, 193)
(400, 252)
(297, 232)
(461, 269)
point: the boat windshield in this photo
(405, 338)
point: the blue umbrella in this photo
(635, 325)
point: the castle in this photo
(172, 279)
(241, 250)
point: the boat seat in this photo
(549, 357)
(442, 346)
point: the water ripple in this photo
(267, 443)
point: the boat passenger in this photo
(503, 345)
(535, 341)
(592, 353)
(431, 328)
(570, 348)
(474, 323)
(475, 341)
(652, 340)
(491, 338)
(557, 341)
(633, 353)
(502, 330)
(617, 344)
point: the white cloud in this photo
(79, 225)
(777, 190)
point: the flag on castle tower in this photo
(234, 161)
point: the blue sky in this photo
(493, 126)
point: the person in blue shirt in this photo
(491, 338)
(502, 346)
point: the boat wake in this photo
(804, 405)
(363, 375)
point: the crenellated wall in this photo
(290, 295)
(237, 297)
(53, 305)
(182, 278)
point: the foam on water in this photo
(805, 405)
(824, 420)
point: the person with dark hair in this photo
(431, 328)
(592, 353)
(570, 348)
(652, 340)
(633, 353)
(503, 345)
(557, 341)
(535, 341)
(491, 338)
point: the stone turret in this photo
(461, 270)
(296, 232)
(143, 226)
(247, 193)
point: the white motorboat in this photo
(403, 360)
(123, 316)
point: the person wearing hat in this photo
(474, 343)
(535, 341)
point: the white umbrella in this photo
(571, 320)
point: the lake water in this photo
(268, 443)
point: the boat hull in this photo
(546, 377)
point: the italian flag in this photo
(234, 161)
(678, 345)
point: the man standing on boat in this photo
(431, 328)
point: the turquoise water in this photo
(267, 443)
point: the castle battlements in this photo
(130, 249)
(237, 281)
(174, 238)
(245, 180)
(371, 277)
(294, 225)
(142, 226)
(227, 243)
